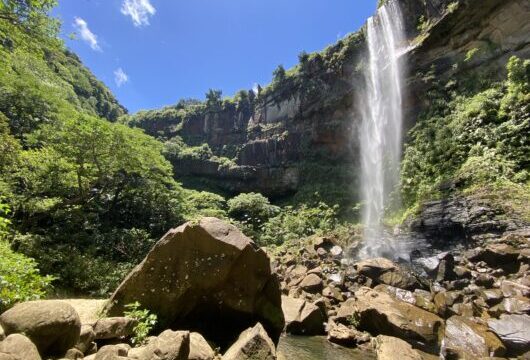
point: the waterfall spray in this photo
(382, 118)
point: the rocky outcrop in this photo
(205, 276)
(287, 131)
(52, 325)
(253, 344)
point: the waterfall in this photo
(381, 126)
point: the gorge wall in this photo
(298, 135)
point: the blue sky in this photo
(152, 53)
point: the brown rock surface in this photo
(205, 276)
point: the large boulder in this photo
(467, 338)
(384, 271)
(52, 325)
(208, 277)
(253, 344)
(514, 331)
(380, 314)
(302, 317)
(169, 345)
(18, 347)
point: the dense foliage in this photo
(88, 196)
(470, 139)
(20, 280)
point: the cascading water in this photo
(381, 127)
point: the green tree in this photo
(20, 279)
(279, 76)
(214, 99)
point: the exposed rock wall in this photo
(279, 145)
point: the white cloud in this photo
(120, 77)
(85, 33)
(138, 10)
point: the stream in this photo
(317, 348)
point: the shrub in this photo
(145, 322)
(295, 223)
(20, 280)
(252, 207)
(203, 203)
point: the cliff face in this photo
(305, 132)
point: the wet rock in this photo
(205, 276)
(114, 328)
(390, 348)
(199, 348)
(302, 317)
(169, 345)
(19, 347)
(53, 326)
(346, 336)
(439, 267)
(312, 283)
(384, 271)
(378, 313)
(443, 301)
(253, 344)
(514, 331)
(468, 339)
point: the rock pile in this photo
(466, 305)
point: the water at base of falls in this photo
(381, 125)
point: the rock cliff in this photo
(299, 136)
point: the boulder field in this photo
(219, 296)
(465, 304)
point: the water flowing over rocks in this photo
(205, 276)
